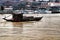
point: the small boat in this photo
(21, 18)
(25, 19)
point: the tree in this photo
(22, 4)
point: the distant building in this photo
(54, 0)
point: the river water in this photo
(48, 28)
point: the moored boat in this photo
(20, 18)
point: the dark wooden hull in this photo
(25, 19)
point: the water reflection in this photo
(10, 28)
(14, 28)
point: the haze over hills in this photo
(10, 2)
(31, 0)
(20, 0)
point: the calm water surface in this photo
(46, 29)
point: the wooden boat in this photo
(21, 18)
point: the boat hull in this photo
(25, 19)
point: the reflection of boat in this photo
(20, 17)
